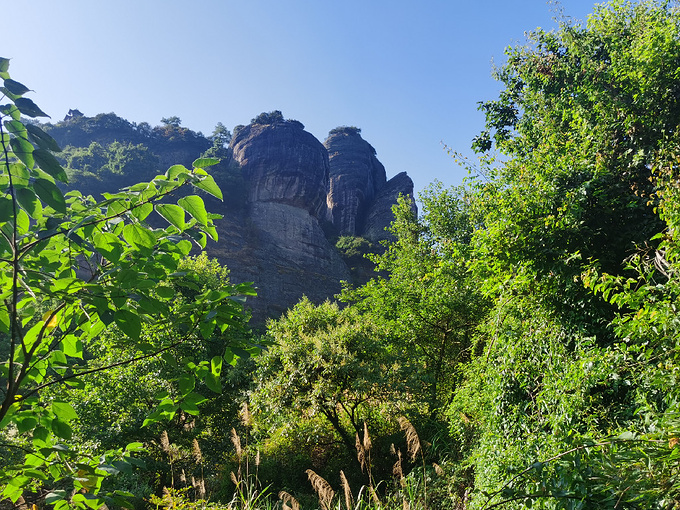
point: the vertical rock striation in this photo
(360, 198)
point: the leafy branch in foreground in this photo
(72, 268)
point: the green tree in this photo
(585, 117)
(329, 362)
(173, 121)
(427, 300)
(70, 269)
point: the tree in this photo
(72, 268)
(220, 136)
(329, 362)
(427, 300)
(173, 121)
(586, 117)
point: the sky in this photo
(409, 74)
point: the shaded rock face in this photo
(379, 215)
(356, 176)
(283, 163)
(285, 170)
(360, 198)
(294, 185)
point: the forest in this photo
(516, 348)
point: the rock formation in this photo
(360, 198)
(287, 199)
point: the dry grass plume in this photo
(412, 439)
(322, 488)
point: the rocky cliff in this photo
(288, 198)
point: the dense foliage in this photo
(72, 270)
(517, 346)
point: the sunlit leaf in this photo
(205, 162)
(193, 204)
(23, 149)
(129, 323)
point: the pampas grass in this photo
(322, 488)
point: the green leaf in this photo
(174, 214)
(194, 205)
(189, 408)
(195, 398)
(26, 423)
(42, 139)
(27, 199)
(216, 366)
(142, 212)
(54, 496)
(186, 384)
(165, 292)
(139, 236)
(176, 170)
(50, 194)
(62, 429)
(213, 382)
(28, 107)
(4, 64)
(129, 323)
(49, 164)
(108, 245)
(6, 209)
(15, 87)
(64, 411)
(208, 184)
(16, 128)
(23, 149)
(205, 162)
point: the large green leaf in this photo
(15, 87)
(42, 139)
(27, 199)
(6, 209)
(129, 323)
(49, 164)
(16, 128)
(23, 149)
(50, 194)
(64, 411)
(193, 204)
(205, 162)
(139, 236)
(207, 183)
(174, 214)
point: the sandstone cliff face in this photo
(285, 171)
(360, 198)
(283, 163)
(379, 215)
(356, 176)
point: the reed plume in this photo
(236, 441)
(196, 452)
(349, 500)
(412, 439)
(289, 502)
(322, 488)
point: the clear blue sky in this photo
(408, 73)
